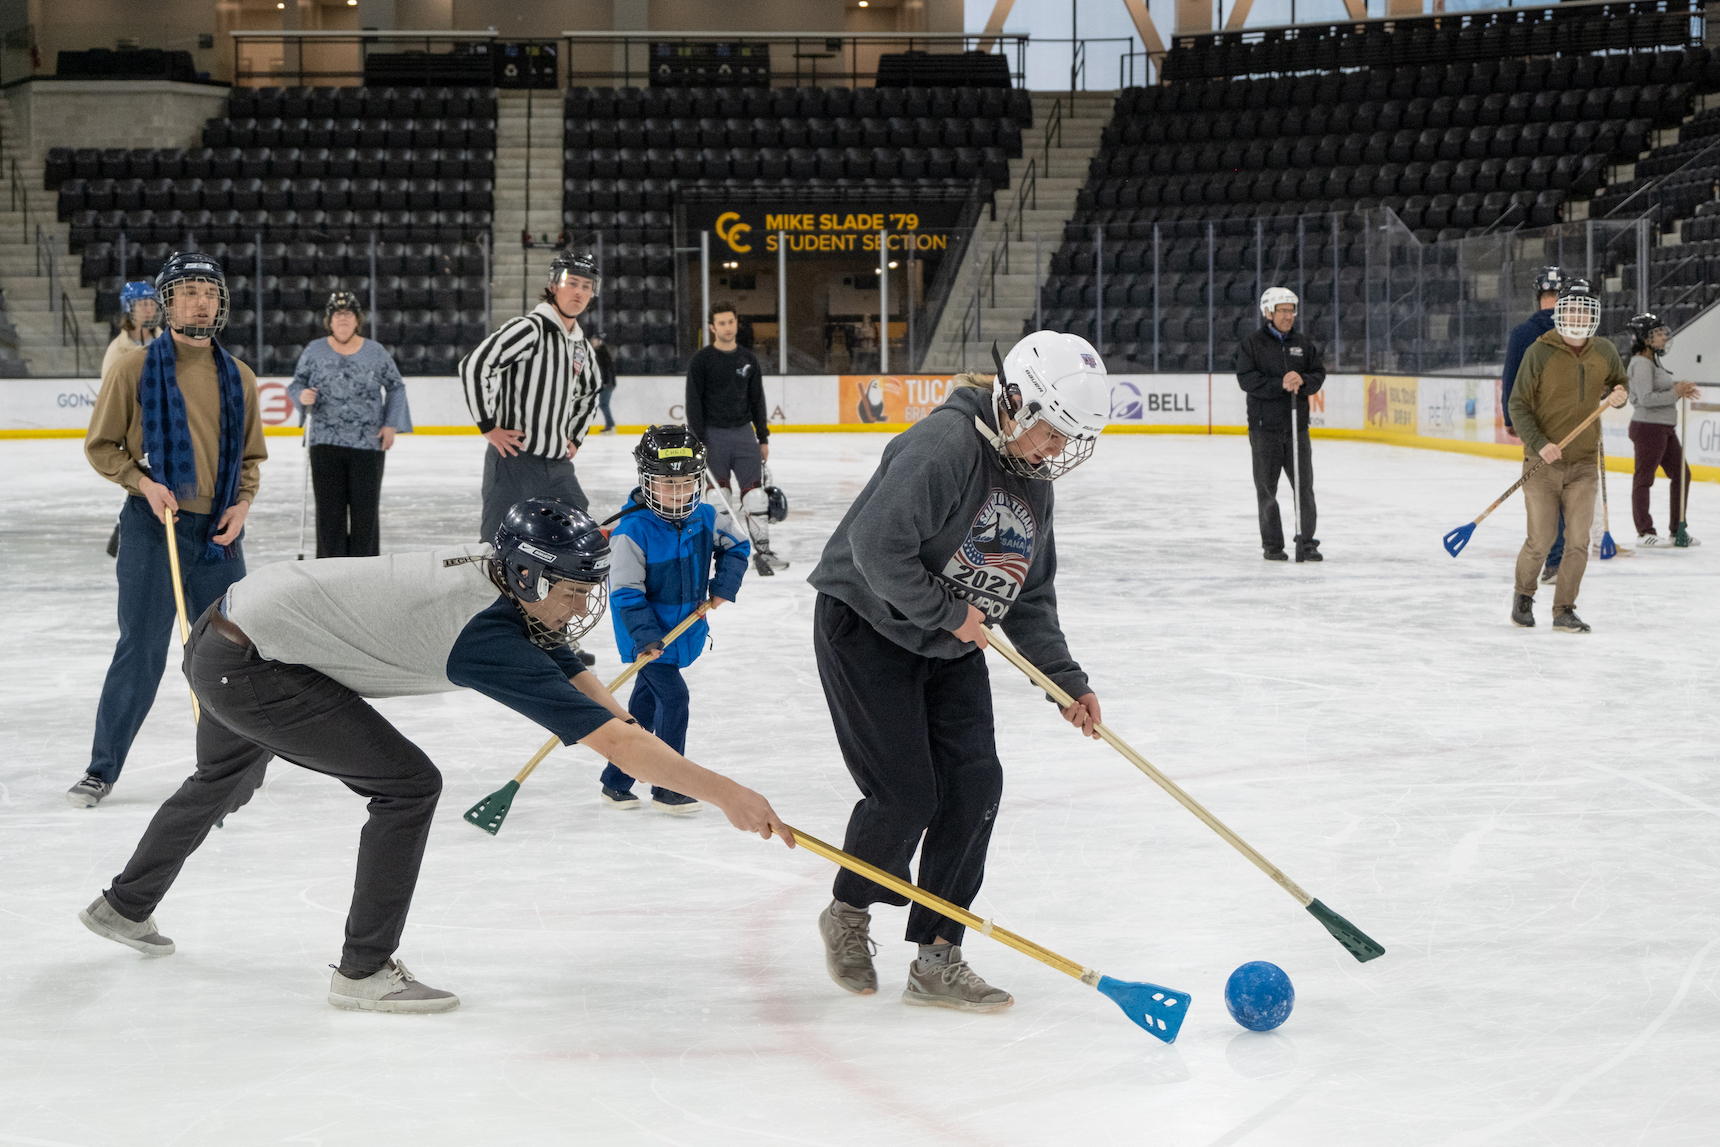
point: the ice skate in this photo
(848, 948)
(393, 989)
(950, 983)
(620, 800)
(665, 801)
(101, 919)
(88, 792)
(1566, 621)
(1523, 611)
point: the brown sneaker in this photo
(393, 989)
(848, 948)
(952, 984)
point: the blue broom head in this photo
(1458, 538)
(1158, 1010)
(1609, 548)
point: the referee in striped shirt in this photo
(531, 388)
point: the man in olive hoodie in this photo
(1565, 374)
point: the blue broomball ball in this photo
(1259, 996)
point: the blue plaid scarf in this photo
(167, 451)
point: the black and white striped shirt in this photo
(536, 376)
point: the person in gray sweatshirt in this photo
(1654, 396)
(952, 534)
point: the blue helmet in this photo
(134, 293)
(541, 541)
(184, 267)
(1549, 279)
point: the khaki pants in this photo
(1571, 487)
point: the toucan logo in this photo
(729, 229)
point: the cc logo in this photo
(730, 229)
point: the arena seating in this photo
(631, 154)
(1490, 34)
(1454, 150)
(317, 173)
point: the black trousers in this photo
(1271, 449)
(254, 709)
(916, 735)
(348, 486)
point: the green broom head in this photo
(1360, 945)
(489, 813)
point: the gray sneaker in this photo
(1566, 621)
(952, 984)
(88, 792)
(393, 989)
(848, 948)
(101, 919)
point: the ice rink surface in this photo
(1526, 820)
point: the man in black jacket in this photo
(726, 411)
(1276, 366)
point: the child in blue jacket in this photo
(661, 557)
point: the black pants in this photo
(916, 735)
(1271, 449)
(348, 486)
(254, 709)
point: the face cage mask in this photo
(666, 510)
(577, 626)
(197, 332)
(1075, 450)
(1578, 317)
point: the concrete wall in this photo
(112, 113)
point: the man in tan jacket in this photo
(177, 425)
(1565, 375)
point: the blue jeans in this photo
(147, 620)
(603, 393)
(659, 704)
(1557, 553)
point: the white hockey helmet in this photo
(1056, 379)
(1577, 314)
(1274, 297)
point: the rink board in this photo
(1464, 414)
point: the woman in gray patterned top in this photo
(353, 390)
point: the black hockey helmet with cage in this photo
(581, 264)
(1642, 328)
(542, 540)
(673, 452)
(343, 301)
(181, 269)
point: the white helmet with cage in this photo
(1577, 314)
(1274, 297)
(1057, 380)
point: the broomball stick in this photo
(1608, 547)
(1681, 534)
(489, 813)
(1358, 943)
(1157, 1010)
(179, 602)
(1458, 538)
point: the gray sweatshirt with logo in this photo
(942, 524)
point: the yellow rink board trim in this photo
(1501, 450)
